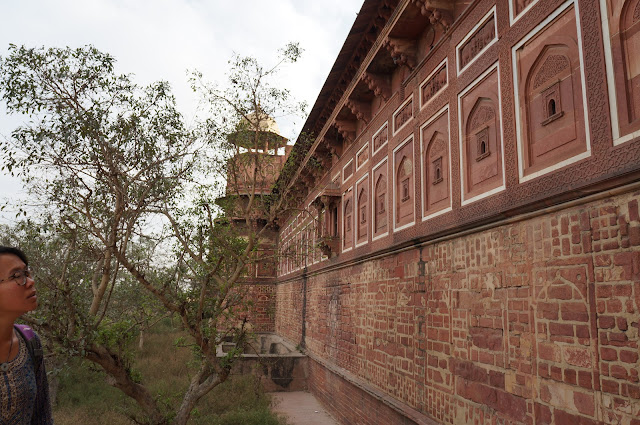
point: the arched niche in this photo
(629, 71)
(482, 159)
(551, 101)
(363, 214)
(347, 224)
(380, 202)
(436, 187)
(404, 190)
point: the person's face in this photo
(14, 298)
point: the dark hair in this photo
(14, 251)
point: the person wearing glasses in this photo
(24, 390)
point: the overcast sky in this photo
(162, 39)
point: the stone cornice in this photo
(438, 11)
(402, 51)
(362, 110)
(378, 84)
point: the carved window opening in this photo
(437, 171)
(381, 204)
(404, 176)
(552, 106)
(334, 221)
(362, 212)
(482, 143)
(405, 190)
(362, 203)
(348, 209)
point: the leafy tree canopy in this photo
(123, 223)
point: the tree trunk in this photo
(116, 369)
(141, 340)
(104, 282)
(198, 388)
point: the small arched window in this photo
(347, 216)
(437, 170)
(404, 175)
(380, 202)
(482, 139)
(552, 107)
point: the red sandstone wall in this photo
(537, 321)
(348, 403)
(262, 310)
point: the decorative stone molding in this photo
(402, 50)
(380, 138)
(476, 43)
(362, 156)
(362, 110)
(333, 147)
(437, 81)
(380, 85)
(347, 171)
(403, 115)
(347, 128)
(438, 11)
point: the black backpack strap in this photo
(33, 345)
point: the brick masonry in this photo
(350, 404)
(261, 308)
(532, 322)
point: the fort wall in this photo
(468, 246)
(536, 320)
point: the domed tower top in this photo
(258, 131)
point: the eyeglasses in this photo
(20, 277)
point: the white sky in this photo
(162, 39)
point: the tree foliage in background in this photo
(122, 224)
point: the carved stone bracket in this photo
(402, 50)
(438, 11)
(347, 128)
(380, 85)
(332, 146)
(362, 110)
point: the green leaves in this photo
(126, 218)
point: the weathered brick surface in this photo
(261, 310)
(348, 403)
(288, 320)
(535, 322)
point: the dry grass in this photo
(87, 415)
(85, 397)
